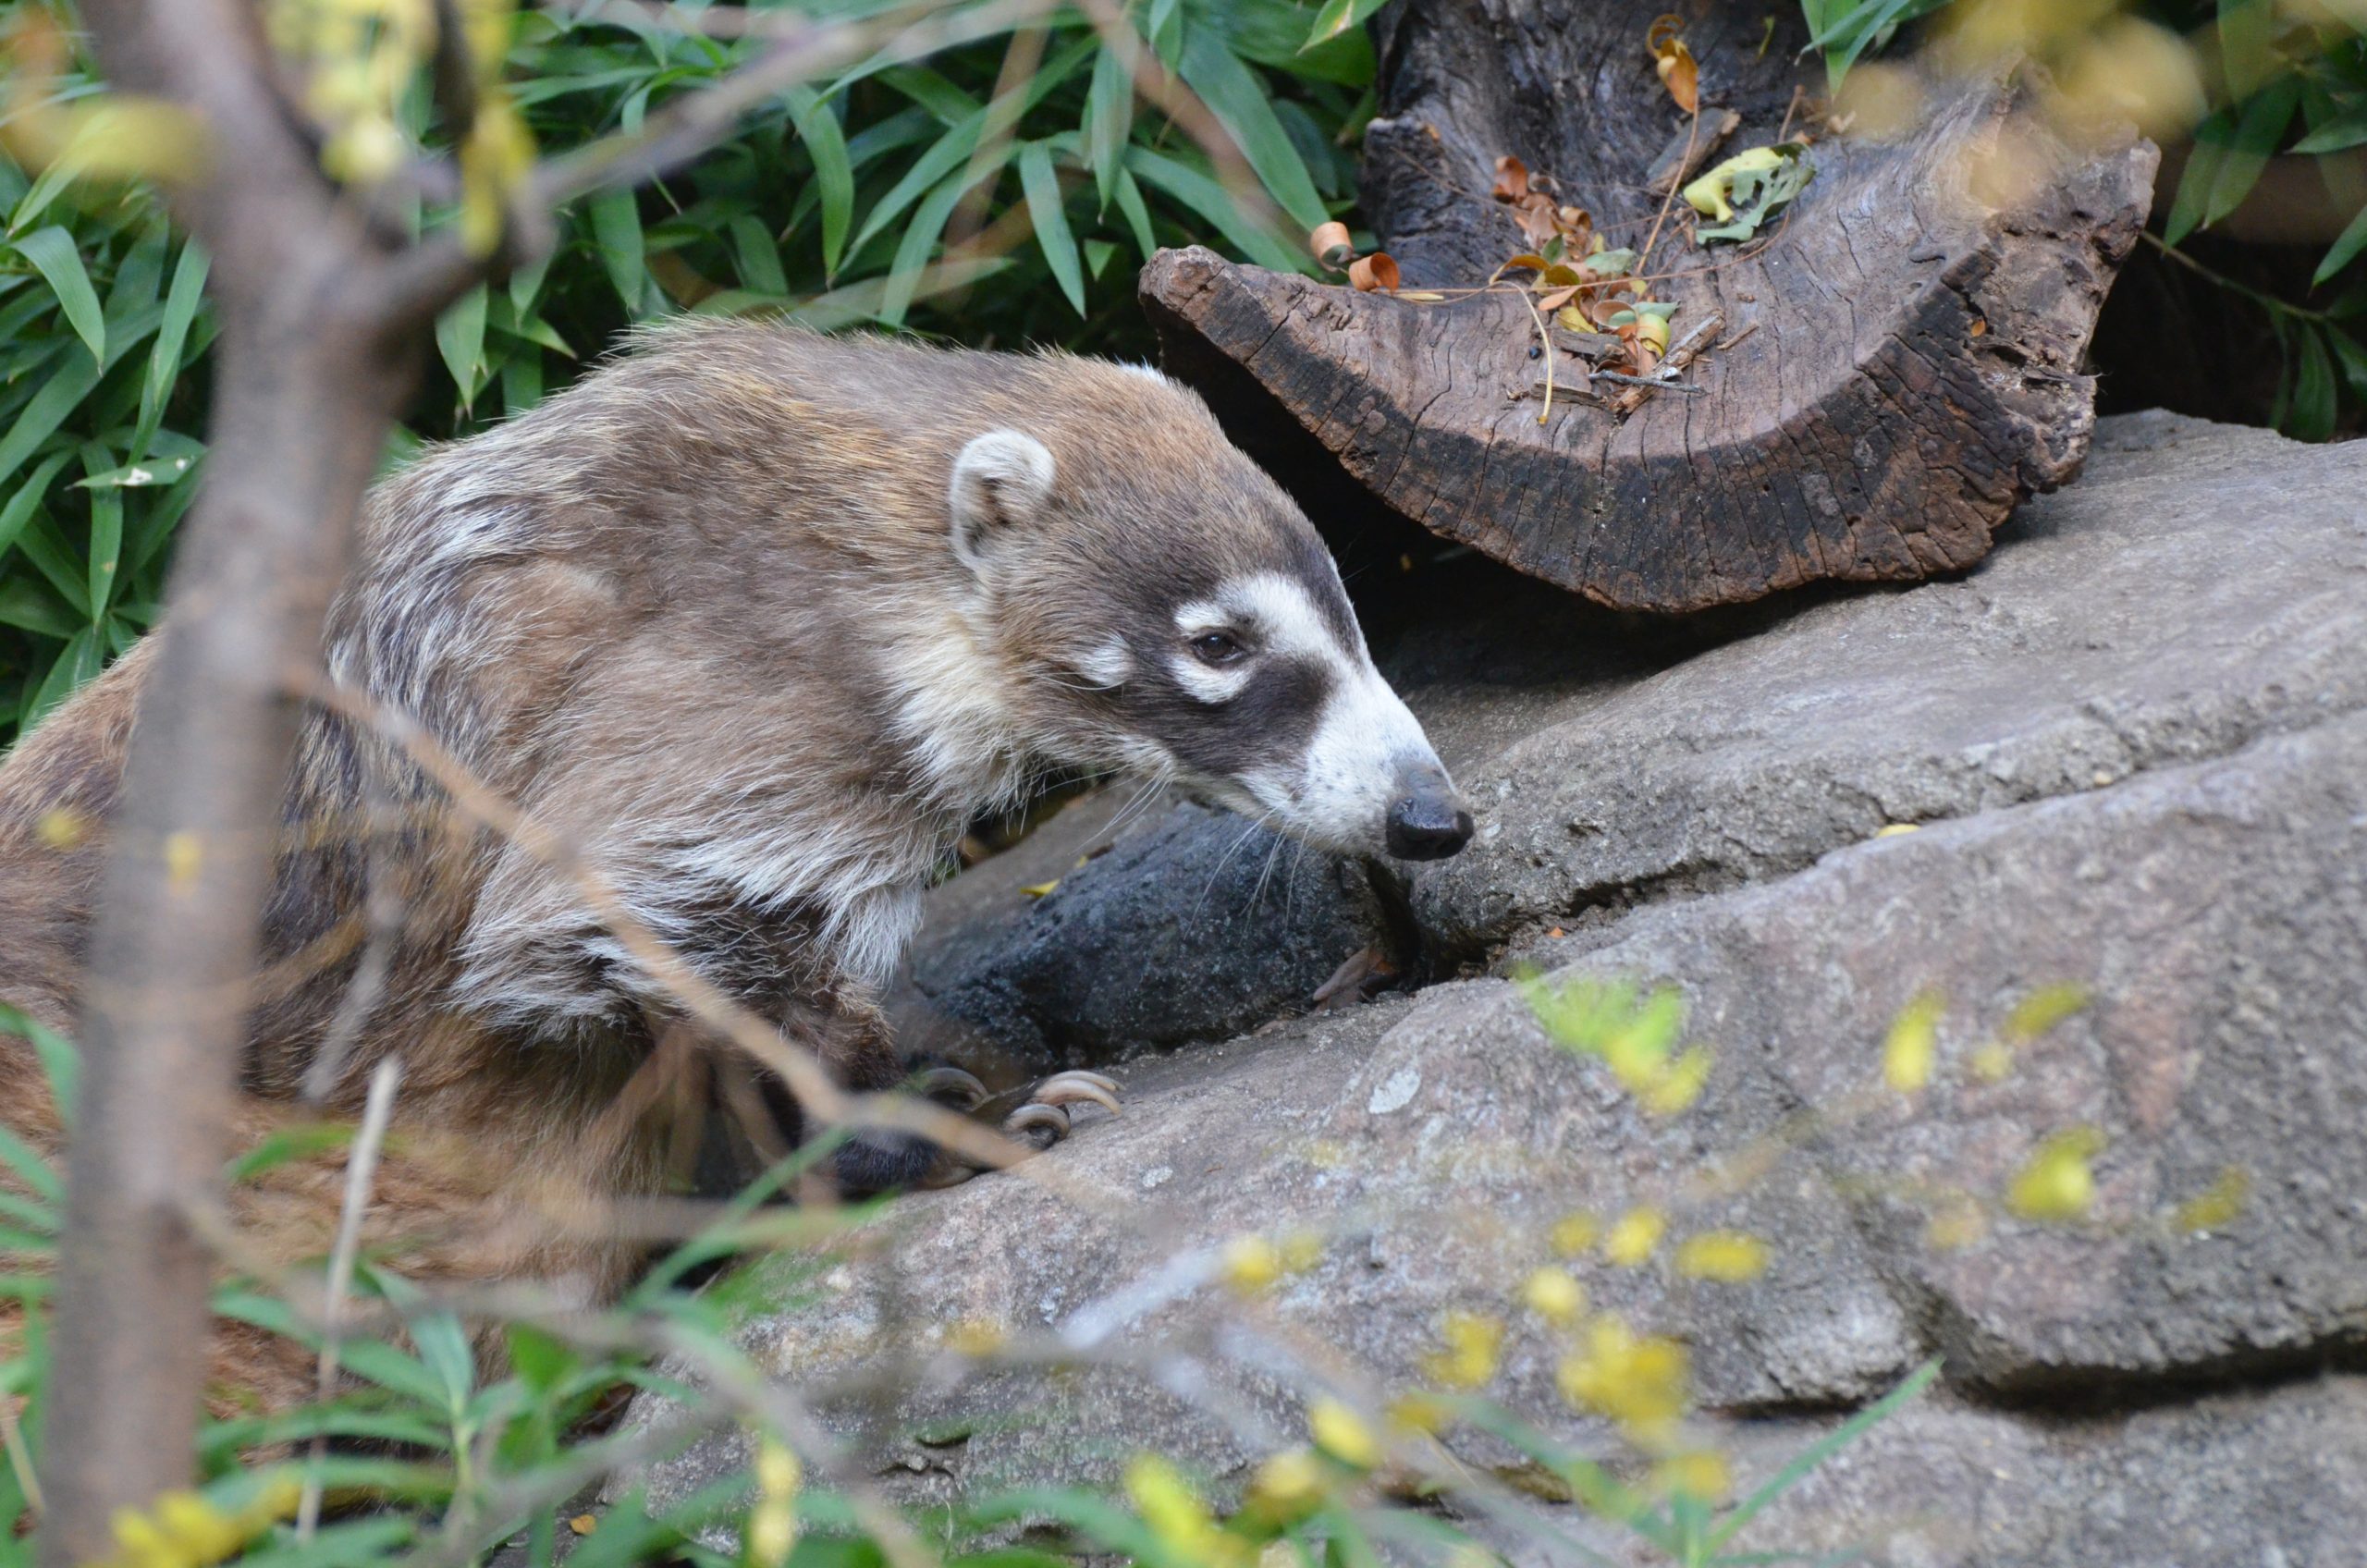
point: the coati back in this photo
(757, 621)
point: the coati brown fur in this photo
(758, 620)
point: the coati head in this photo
(1170, 610)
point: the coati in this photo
(758, 620)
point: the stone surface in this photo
(2137, 747)
(2173, 605)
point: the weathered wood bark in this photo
(1915, 328)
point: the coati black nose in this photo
(1429, 824)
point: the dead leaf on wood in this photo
(1679, 73)
(1332, 246)
(1749, 189)
(1374, 272)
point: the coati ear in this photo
(1001, 479)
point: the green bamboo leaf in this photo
(2353, 355)
(57, 398)
(2313, 412)
(1215, 204)
(31, 606)
(758, 257)
(45, 545)
(2231, 148)
(1108, 122)
(1041, 184)
(181, 302)
(59, 1061)
(2345, 248)
(1337, 16)
(77, 664)
(106, 530)
(826, 144)
(27, 498)
(904, 273)
(616, 232)
(1137, 211)
(54, 255)
(1239, 101)
(459, 339)
(2344, 131)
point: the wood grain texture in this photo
(1915, 329)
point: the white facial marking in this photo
(1108, 665)
(1366, 745)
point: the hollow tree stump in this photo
(1905, 353)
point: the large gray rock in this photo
(2201, 585)
(2136, 743)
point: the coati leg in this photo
(852, 1041)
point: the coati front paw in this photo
(1035, 1115)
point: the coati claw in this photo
(1038, 1125)
(1075, 1087)
(951, 1086)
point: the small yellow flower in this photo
(771, 1531)
(1913, 1044)
(777, 1471)
(2042, 1011)
(1574, 1234)
(1991, 1063)
(187, 1529)
(1640, 1382)
(1701, 1474)
(1250, 1264)
(1341, 1433)
(2056, 1183)
(1554, 1296)
(1473, 1344)
(1635, 1237)
(2216, 1205)
(1288, 1481)
(1301, 1250)
(1176, 1515)
(1729, 1256)
(1420, 1412)
(1676, 1088)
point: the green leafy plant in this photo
(975, 192)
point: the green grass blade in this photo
(1041, 183)
(1215, 204)
(1108, 122)
(1824, 1448)
(57, 398)
(1238, 100)
(826, 144)
(54, 255)
(181, 302)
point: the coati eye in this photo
(1217, 648)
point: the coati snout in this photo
(1197, 620)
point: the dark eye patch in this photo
(1272, 720)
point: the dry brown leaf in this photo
(1512, 179)
(1374, 272)
(1679, 72)
(1332, 246)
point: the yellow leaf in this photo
(2042, 1011)
(1729, 1256)
(583, 1524)
(1037, 889)
(1250, 1264)
(1913, 1044)
(1707, 194)
(1635, 1237)
(1341, 1433)
(1554, 1296)
(2056, 1183)
(1574, 1234)
(2216, 1205)
(1640, 1382)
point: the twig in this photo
(1748, 327)
(1545, 347)
(1676, 359)
(1624, 379)
(21, 1459)
(1668, 200)
(384, 914)
(361, 1168)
